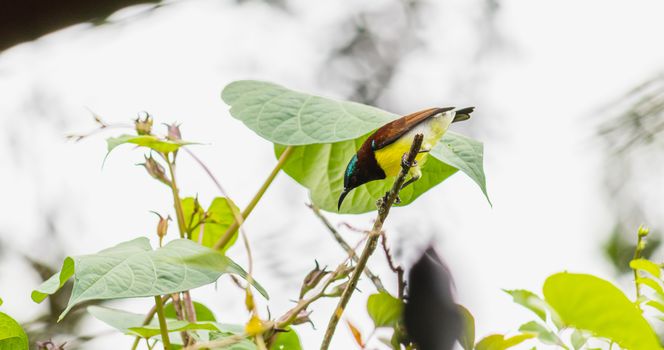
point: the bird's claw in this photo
(406, 163)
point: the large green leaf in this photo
(384, 309)
(287, 117)
(132, 269)
(593, 304)
(320, 168)
(12, 336)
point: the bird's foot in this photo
(406, 163)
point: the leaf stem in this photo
(384, 206)
(176, 196)
(226, 237)
(162, 322)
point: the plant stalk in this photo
(384, 206)
(162, 322)
(147, 320)
(176, 198)
(226, 237)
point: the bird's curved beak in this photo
(344, 193)
(463, 114)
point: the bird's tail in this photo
(463, 114)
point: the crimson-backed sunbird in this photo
(381, 155)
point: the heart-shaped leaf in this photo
(384, 309)
(132, 269)
(328, 132)
(590, 303)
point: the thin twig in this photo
(384, 206)
(401, 282)
(351, 252)
(226, 237)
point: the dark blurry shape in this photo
(25, 20)
(633, 141)
(620, 250)
(431, 317)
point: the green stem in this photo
(176, 197)
(383, 210)
(226, 237)
(147, 320)
(162, 322)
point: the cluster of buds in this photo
(143, 126)
(312, 279)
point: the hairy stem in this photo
(351, 252)
(162, 322)
(226, 237)
(383, 210)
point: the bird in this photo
(381, 154)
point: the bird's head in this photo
(352, 179)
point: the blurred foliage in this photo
(633, 144)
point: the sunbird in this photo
(381, 155)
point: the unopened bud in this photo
(173, 132)
(337, 290)
(312, 279)
(302, 317)
(643, 231)
(162, 225)
(144, 126)
(254, 326)
(343, 272)
(155, 169)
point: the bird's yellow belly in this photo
(389, 157)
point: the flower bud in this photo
(302, 317)
(337, 290)
(155, 170)
(173, 132)
(143, 127)
(312, 279)
(643, 231)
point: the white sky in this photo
(536, 101)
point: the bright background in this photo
(541, 74)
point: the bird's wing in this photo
(392, 131)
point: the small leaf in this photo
(590, 303)
(132, 269)
(467, 339)
(149, 141)
(579, 339)
(529, 300)
(357, 335)
(288, 340)
(647, 266)
(220, 218)
(12, 336)
(545, 335)
(384, 309)
(646, 281)
(132, 324)
(656, 304)
(499, 342)
(203, 313)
